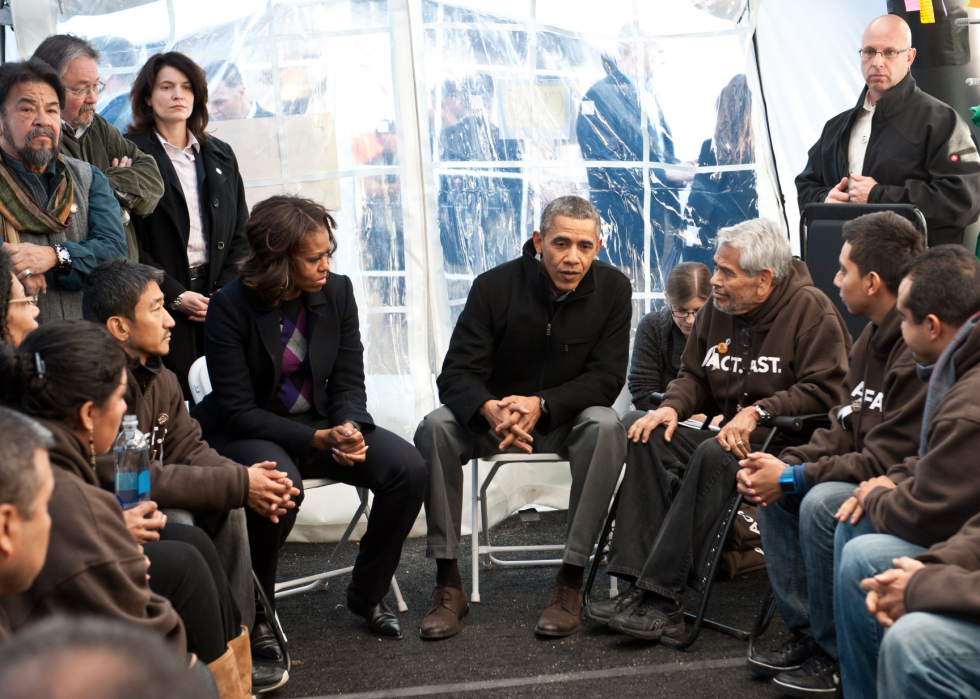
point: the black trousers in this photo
(673, 496)
(393, 470)
(184, 568)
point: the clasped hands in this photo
(513, 418)
(860, 189)
(345, 442)
(886, 591)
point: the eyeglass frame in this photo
(84, 92)
(685, 314)
(32, 300)
(887, 58)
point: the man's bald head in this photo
(886, 35)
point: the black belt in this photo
(199, 272)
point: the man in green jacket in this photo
(133, 175)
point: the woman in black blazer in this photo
(287, 374)
(196, 233)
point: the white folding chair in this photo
(200, 383)
(479, 501)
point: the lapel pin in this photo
(218, 170)
(74, 208)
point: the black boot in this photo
(265, 645)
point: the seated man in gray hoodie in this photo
(939, 300)
(770, 344)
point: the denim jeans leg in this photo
(929, 656)
(817, 528)
(779, 525)
(858, 633)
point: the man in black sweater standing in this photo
(898, 145)
(535, 362)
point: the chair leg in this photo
(474, 531)
(402, 607)
(273, 622)
(766, 611)
(484, 514)
(699, 620)
(603, 537)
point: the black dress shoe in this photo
(381, 621)
(266, 678)
(265, 645)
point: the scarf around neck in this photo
(942, 379)
(19, 212)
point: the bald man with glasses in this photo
(898, 145)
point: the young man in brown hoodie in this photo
(193, 482)
(875, 426)
(930, 605)
(771, 344)
(26, 484)
(939, 299)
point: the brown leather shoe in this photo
(563, 615)
(449, 605)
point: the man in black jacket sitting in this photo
(898, 145)
(536, 360)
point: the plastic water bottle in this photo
(132, 458)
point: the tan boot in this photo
(243, 659)
(225, 673)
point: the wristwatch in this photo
(175, 304)
(543, 405)
(63, 265)
(764, 415)
(787, 481)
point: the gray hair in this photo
(114, 288)
(572, 207)
(20, 437)
(60, 50)
(763, 245)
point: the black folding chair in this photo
(822, 236)
(273, 622)
(785, 424)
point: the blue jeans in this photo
(861, 554)
(798, 538)
(928, 656)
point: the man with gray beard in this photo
(58, 216)
(133, 175)
(770, 344)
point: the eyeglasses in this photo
(888, 54)
(683, 315)
(86, 91)
(32, 299)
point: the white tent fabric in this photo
(438, 131)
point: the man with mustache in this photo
(133, 175)
(770, 344)
(898, 145)
(58, 215)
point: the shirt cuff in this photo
(799, 475)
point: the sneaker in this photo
(602, 612)
(650, 618)
(789, 656)
(266, 679)
(818, 676)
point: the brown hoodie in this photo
(943, 491)
(863, 444)
(94, 565)
(950, 582)
(193, 476)
(789, 355)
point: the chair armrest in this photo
(657, 398)
(797, 423)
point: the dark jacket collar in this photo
(143, 374)
(894, 101)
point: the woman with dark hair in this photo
(70, 376)
(662, 335)
(722, 199)
(196, 233)
(287, 374)
(18, 311)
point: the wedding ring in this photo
(27, 273)
(739, 442)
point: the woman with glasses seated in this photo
(661, 335)
(18, 310)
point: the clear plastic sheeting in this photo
(438, 131)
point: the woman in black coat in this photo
(287, 374)
(196, 234)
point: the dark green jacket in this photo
(138, 187)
